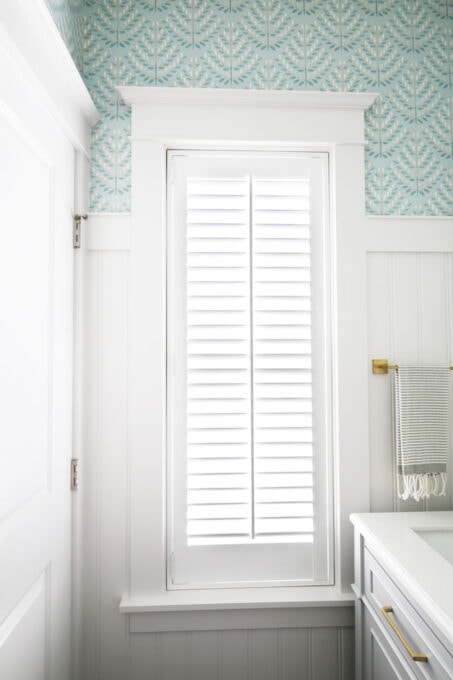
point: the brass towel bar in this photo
(381, 366)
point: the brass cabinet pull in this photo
(415, 656)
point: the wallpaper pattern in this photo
(401, 49)
(69, 17)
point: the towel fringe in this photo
(420, 486)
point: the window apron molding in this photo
(200, 118)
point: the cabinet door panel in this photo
(380, 661)
(381, 590)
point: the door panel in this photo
(36, 186)
(26, 317)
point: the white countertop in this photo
(420, 571)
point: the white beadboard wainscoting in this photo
(410, 320)
(297, 653)
(409, 270)
(295, 643)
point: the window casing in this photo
(233, 119)
(249, 386)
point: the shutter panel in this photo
(282, 379)
(218, 361)
(249, 414)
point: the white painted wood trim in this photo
(186, 96)
(29, 35)
(155, 128)
(107, 231)
(242, 619)
(274, 118)
(246, 598)
(409, 234)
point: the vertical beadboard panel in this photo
(295, 655)
(112, 489)
(436, 327)
(347, 652)
(406, 322)
(380, 346)
(175, 648)
(146, 656)
(325, 654)
(285, 654)
(434, 305)
(264, 655)
(109, 650)
(233, 655)
(406, 312)
(410, 319)
(89, 472)
(203, 650)
(104, 467)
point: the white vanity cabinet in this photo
(379, 660)
(397, 633)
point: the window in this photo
(239, 119)
(248, 369)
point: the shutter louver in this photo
(249, 381)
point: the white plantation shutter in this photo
(218, 378)
(282, 377)
(241, 423)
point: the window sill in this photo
(240, 598)
(239, 609)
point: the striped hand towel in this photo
(421, 430)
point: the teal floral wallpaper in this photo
(401, 49)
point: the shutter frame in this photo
(230, 444)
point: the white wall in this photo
(410, 320)
(311, 644)
(410, 317)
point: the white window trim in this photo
(189, 118)
(29, 34)
(203, 565)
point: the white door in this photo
(36, 256)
